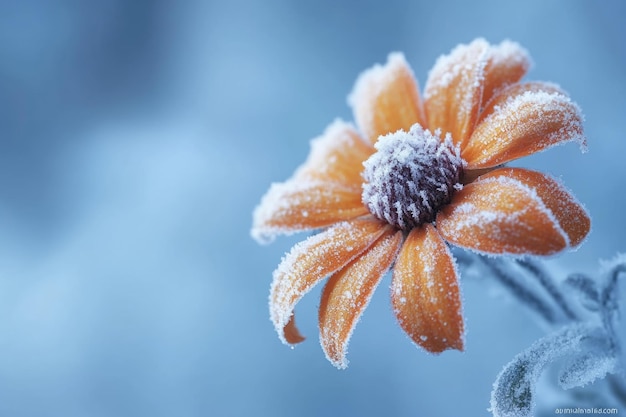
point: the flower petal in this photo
(325, 190)
(337, 156)
(425, 292)
(570, 214)
(314, 259)
(292, 335)
(386, 99)
(497, 214)
(348, 292)
(522, 125)
(506, 64)
(509, 92)
(454, 89)
(295, 206)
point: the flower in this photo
(419, 173)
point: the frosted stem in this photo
(521, 292)
(546, 281)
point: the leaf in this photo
(514, 390)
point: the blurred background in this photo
(136, 138)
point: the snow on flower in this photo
(419, 172)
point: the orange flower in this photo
(420, 171)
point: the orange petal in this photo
(314, 259)
(295, 205)
(386, 99)
(292, 335)
(524, 124)
(570, 214)
(454, 90)
(501, 215)
(348, 292)
(512, 91)
(507, 63)
(337, 156)
(326, 189)
(425, 292)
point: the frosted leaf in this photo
(514, 390)
(586, 368)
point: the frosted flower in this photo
(417, 172)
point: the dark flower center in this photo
(411, 176)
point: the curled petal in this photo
(294, 206)
(497, 214)
(425, 292)
(292, 335)
(311, 261)
(348, 292)
(522, 125)
(454, 89)
(336, 156)
(569, 213)
(386, 99)
(506, 64)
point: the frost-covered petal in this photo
(425, 292)
(386, 99)
(506, 64)
(501, 215)
(570, 214)
(325, 190)
(314, 259)
(295, 206)
(348, 292)
(291, 332)
(509, 92)
(454, 89)
(523, 124)
(336, 156)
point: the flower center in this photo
(411, 176)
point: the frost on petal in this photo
(506, 64)
(314, 259)
(508, 93)
(348, 292)
(386, 99)
(326, 189)
(425, 292)
(524, 124)
(570, 214)
(336, 156)
(513, 392)
(454, 90)
(501, 215)
(295, 206)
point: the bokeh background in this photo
(136, 138)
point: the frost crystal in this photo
(411, 176)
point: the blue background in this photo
(136, 138)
